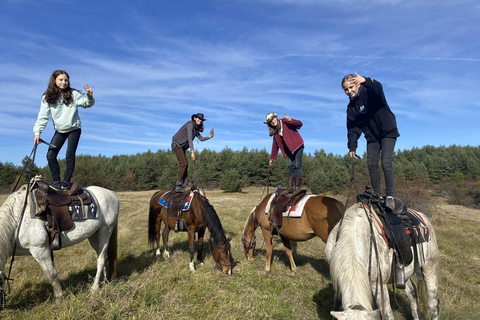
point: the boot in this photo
(291, 184)
(298, 181)
(179, 187)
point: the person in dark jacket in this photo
(183, 140)
(287, 138)
(368, 112)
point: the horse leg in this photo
(99, 242)
(411, 292)
(288, 250)
(267, 236)
(386, 303)
(165, 232)
(191, 247)
(201, 234)
(158, 226)
(44, 259)
(429, 271)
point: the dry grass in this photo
(157, 289)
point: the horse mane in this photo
(346, 266)
(212, 221)
(250, 217)
(8, 223)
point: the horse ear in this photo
(229, 239)
(241, 228)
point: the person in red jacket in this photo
(287, 138)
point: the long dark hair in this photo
(53, 93)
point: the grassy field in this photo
(150, 288)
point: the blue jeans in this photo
(385, 148)
(295, 162)
(58, 140)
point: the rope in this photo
(34, 151)
(196, 176)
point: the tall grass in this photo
(151, 288)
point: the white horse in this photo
(354, 268)
(33, 238)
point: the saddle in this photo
(401, 228)
(55, 205)
(174, 203)
(282, 200)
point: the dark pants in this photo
(58, 140)
(374, 149)
(295, 162)
(182, 162)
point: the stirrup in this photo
(399, 276)
(56, 241)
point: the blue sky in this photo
(152, 64)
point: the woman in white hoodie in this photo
(62, 102)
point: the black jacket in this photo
(369, 113)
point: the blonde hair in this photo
(347, 78)
(272, 130)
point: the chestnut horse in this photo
(318, 218)
(199, 216)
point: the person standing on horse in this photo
(62, 102)
(287, 138)
(182, 141)
(368, 112)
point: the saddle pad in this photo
(296, 210)
(186, 205)
(85, 212)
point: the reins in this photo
(195, 173)
(254, 237)
(8, 279)
(373, 241)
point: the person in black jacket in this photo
(368, 112)
(183, 140)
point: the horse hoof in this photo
(267, 271)
(166, 255)
(191, 266)
(294, 273)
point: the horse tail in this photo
(152, 218)
(112, 254)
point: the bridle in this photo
(217, 260)
(251, 244)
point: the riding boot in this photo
(179, 187)
(298, 181)
(291, 184)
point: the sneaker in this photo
(390, 203)
(60, 185)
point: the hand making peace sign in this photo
(88, 90)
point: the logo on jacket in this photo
(363, 110)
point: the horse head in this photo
(249, 239)
(221, 255)
(249, 242)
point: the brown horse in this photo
(199, 216)
(319, 216)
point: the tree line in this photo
(233, 170)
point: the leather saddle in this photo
(55, 205)
(400, 227)
(280, 202)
